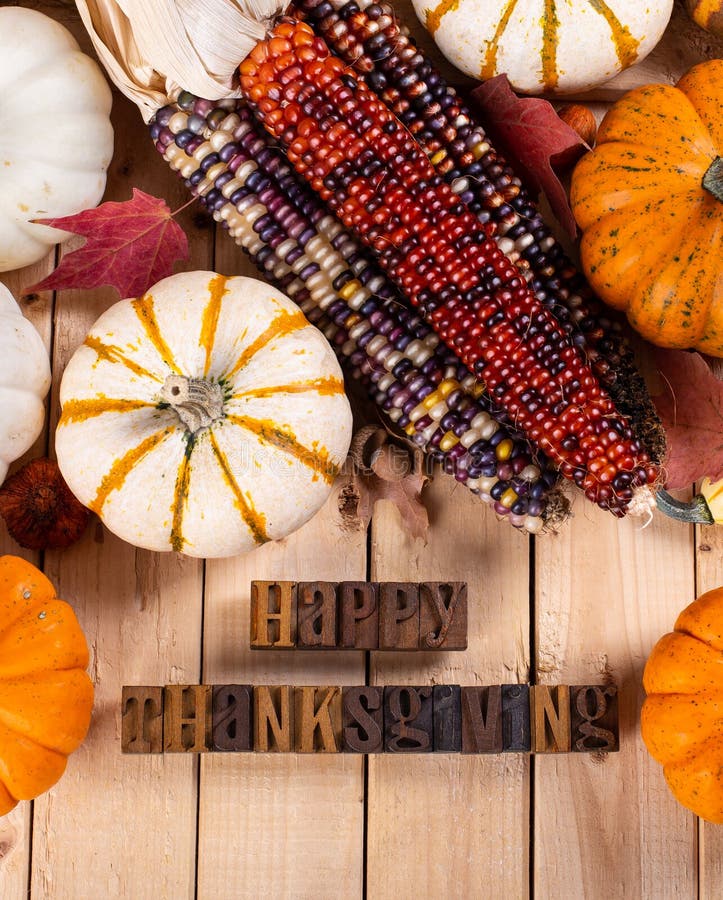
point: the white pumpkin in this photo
(24, 382)
(56, 140)
(545, 46)
(207, 417)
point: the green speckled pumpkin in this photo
(649, 200)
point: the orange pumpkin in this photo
(649, 200)
(708, 14)
(682, 717)
(45, 693)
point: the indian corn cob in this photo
(369, 170)
(368, 36)
(229, 162)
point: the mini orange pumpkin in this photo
(682, 717)
(46, 695)
(649, 200)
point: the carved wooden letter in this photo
(316, 604)
(550, 718)
(516, 736)
(186, 718)
(273, 719)
(447, 718)
(317, 719)
(408, 719)
(594, 718)
(232, 717)
(363, 719)
(273, 614)
(482, 719)
(142, 724)
(359, 615)
(443, 615)
(398, 616)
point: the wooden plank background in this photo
(584, 605)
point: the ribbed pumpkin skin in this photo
(53, 160)
(652, 240)
(256, 473)
(682, 717)
(552, 46)
(46, 696)
(708, 14)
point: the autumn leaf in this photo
(691, 408)
(533, 138)
(130, 246)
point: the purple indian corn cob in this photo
(231, 164)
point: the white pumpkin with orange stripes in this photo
(545, 46)
(206, 417)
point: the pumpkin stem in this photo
(713, 178)
(695, 512)
(197, 402)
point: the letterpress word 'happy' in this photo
(507, 718)
(358, 615)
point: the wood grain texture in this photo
(141, 613)
(429, 801)
(605, 591)
(272, 799)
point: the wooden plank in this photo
(141, 613)
(605, 591)
(709, 572)
(429, 815)
(298, 820)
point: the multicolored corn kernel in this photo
(371, 172)
(228, 161)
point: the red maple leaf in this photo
(691, 407)
(535, 140)
(130, 246)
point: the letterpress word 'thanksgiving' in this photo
(507, 718)
(358, 615)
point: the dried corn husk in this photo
(154, 48)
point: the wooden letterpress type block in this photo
(516, 735)
(232, 723)
(273, 719)
(398, 615)
(550, 707)
(408, 719)
(442, 615)
(317, 719)
(273, 614)
(482, 719)
(363, 719)
(316, 611)
(447, 700)
(186, 718)
(359, 615)
(142, 722)
(594, 718)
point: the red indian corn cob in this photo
(369, 170)
(229, 162)
(368, 36)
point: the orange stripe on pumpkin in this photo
(626, 46)
(144, 309)
(112, 354)
(489, 65)
(80, 410)
(255, 521)
(324, 386)
(550, 41)
(433, 17)
(284, 323)
(217, 289)
(180, 496)
(316, 458)
(122, 467)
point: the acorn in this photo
(39, 510)
(581, 120)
